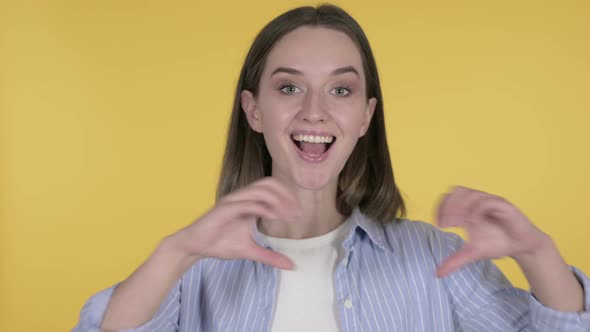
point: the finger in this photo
(490, 206)
(241, 209)
(282, 191)
(462, 257)
(460, 206)
(468, 208)
(449, 212)
(443, 201)
(271, 192)
(269, 257)
(258, 195)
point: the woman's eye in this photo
(290, 89)
(341, 91)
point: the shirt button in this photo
(348, 304)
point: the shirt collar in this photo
(372, 228)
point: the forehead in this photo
(314, 50)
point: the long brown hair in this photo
(367, 178)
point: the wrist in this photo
(174, 248)
(542, 259)
(549, 277)
(542, 247)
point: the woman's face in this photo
(311, 106)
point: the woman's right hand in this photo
(226, 230)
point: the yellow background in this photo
(114, 115)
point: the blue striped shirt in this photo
(387, 274)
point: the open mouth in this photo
(313, 145)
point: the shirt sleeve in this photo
(165, 319)
(484, 300)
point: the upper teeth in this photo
(313, 139)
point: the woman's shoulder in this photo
(406, 233)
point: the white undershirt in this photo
(305, 299)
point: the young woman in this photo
(307, 233)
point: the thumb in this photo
(460, 258)
(270, 257)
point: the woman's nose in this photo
(314, 108)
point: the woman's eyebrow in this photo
(293, 71)
(347, 69)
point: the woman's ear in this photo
(248, 103)
(368, 115)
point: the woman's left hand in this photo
(495, 228)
